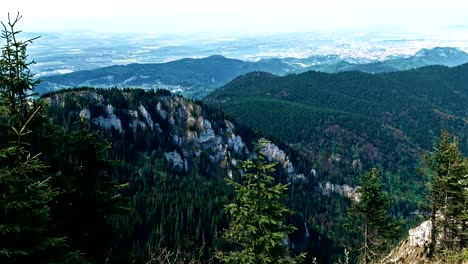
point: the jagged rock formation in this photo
(193, 138)
(344, 190)
(161, 140)
(412, 250)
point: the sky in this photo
(235, 16)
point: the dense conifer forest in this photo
(132, 176)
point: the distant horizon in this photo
(236, 17)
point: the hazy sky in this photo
(235, 16)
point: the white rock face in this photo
(110, 109)
(313, 172)
(236, 143)
(412, 250)
(344, 190)
(162, 113)
(420, 236)
(229, 126)
(110, 121)
(85, 113)
(273, 153)
(175, 160)
(146, 115)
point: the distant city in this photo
(58, 53)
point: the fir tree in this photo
(25, 221)
(258, 227)
(88, 201)
(449, 195)
(16, 80)
(370, 214)
(27, 230)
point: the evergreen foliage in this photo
(61, 183)
(25, 217)
(16, 80)
(88, 198)
(370, 214)
(25, 220)
(449, 195)
(56, 207)
(344, 124)
(258, 227)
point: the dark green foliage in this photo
(449, 195)
(198, 77)
(24, 212)
(56, 207)
(183, 209)
(370, 216)
(169, 209)
(258, 226)
(347, 123)
(16, 80)
(333, 126)
(26, 225)
(88, 199)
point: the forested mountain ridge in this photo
(195, 78)
(133, 176)
(175, 154)
(348, 121)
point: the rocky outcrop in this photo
(194, 139)
(85, 114)
(146, 115)
(413, 249)
(345, 190)
(420, 236)
(110, 121)
(235, 143)
(175, 160)
(274, 154)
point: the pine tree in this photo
(27, 231)
(25, 222)
(16, 80)
(88, 201)
(449, 195)
(371, 217)
(258, 227)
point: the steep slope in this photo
(413, 249)
(175, 154)
(346, 122)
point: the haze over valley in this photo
(60, 52)
(237, 132)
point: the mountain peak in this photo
(445, 52)
(217, 57)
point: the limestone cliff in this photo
(412, 250)
(193, 138)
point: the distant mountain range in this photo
(435, 56)
(197, 77)
(193, 77)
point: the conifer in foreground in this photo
(258, 229)
(370, 216)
